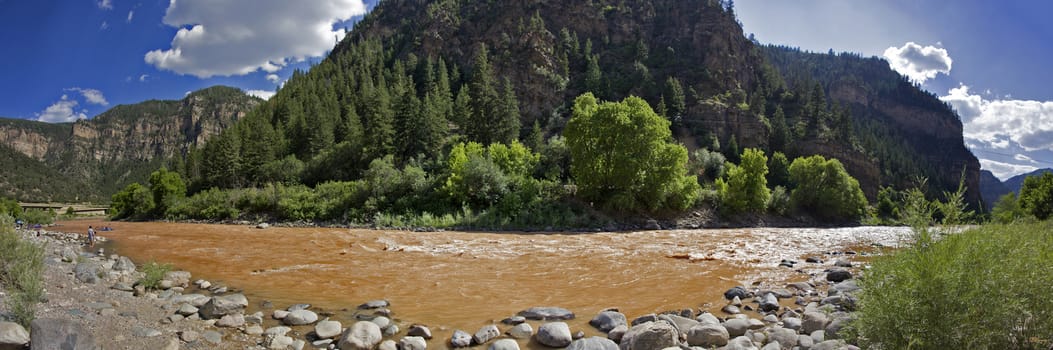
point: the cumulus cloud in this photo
(104, 25)
(105, 4)
(266, 95)
(1011, 136)
(237, 37)
(131, 14)
(273, 78)
(919, 63)
(143, 78)
(63, 111)
(91, 95)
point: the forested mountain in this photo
(91, 159)
(417, 76)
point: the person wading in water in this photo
(91, 237)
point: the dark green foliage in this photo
(621, 156)
(134, 201)
(825, 190)
(1007, 210)
(887, 204)
(153, 273)
(708, 165)
(10, 207)
(674, 93)
(167, 188)
(980, 289)
(744, 187)
(1036, 196)
(779, 170)
(211, 204)
(38, 216)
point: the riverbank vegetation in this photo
(614, 160)
(21, 272)
(11, 208)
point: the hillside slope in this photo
(122, 145)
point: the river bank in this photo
(488, 308)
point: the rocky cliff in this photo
(122, 144)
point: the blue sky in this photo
(70, 59)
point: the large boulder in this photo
(740, 343)
(504, 344)
(231, 321)
(86, 272)
(460, 339)
(49, 333)
(554, 334)
(737, 327)
(486, 333)
(707, 335)
(593, 343)
(814, 321)
(418, 330)
(124, 265)
(769, 303)
(787, 338)
(178, 278)
(521, 331)
(218, 306)
(650, 335)
(413, 343)
(12, 336)
(606, 321)
(681, 323)
(547, 314)
(300, 318)
(736, 292)
(363, 335)
(328, 329)
(838, 274)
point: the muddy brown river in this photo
(464, 280)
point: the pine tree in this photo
(377, 119)
(593, 75)
(411, 127)
(731, 152)
(677, 103)
(482, 127)
(779, 133)
(462, 108)
(536, 139)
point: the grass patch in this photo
(985, 288)
(154, 273)
(21, 272)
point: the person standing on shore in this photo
(91, 237)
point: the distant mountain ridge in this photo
(119, 146)
(993, 188)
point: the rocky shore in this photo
(94, 302)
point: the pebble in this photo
(189, 336)
(521, 331)
(419, 331)
(486, 333)
(460, 339)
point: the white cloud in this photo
(61, 112)
(1004, 171)
(131, 14)
(105, 4)
(143, 78)
(104, 25)
(237, 37)
(274, 78)
(91, 96)
(1009, 136)
(266, 95)
(919, 63)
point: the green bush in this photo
(1036, 195)
(211, 204)
(779, 203)
(21, 272)
(38, 216)
(134, 201)
(746, 188)
(825, 190)
(985, 288)
(1007, 210)
(153, 273)
(707, 165)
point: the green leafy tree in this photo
(621, 156)
(825, 190)
(779, 170)
(133, 201)
(1007, 209)
(1036, 195)
(887, 207)
(167, 188)
(746, 188)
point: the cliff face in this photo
(126, 142)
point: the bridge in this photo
(79, 209)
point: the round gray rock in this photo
(650, 335)
(86, 272)
(49, 333)
(216, 307)
(231, 321)
(413, 343)
(327, 329)
(740, 343)
(554, 334)
(388, 345)
(617, 333)
(418, 330)
(607, 320)
(736, 327)
(593, 343)
(791, 323)
(814, 321)
(838, 274)
(460, 339)
(486, 333)
(708, 335)
(12, 335)
(124, 264)
(300, 318)
(362, 335)
(504, 344)
(787, 338)
(521, 331)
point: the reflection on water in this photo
(457, 280)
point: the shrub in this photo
(779, 203)
(1007, 209)
(167, 188)
(133, 201)
(38, 216)
(21, 272)
(1036, 195)
(708, 165)
(211, 204)
(153, 273)
(825, 190)
(985, 288)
